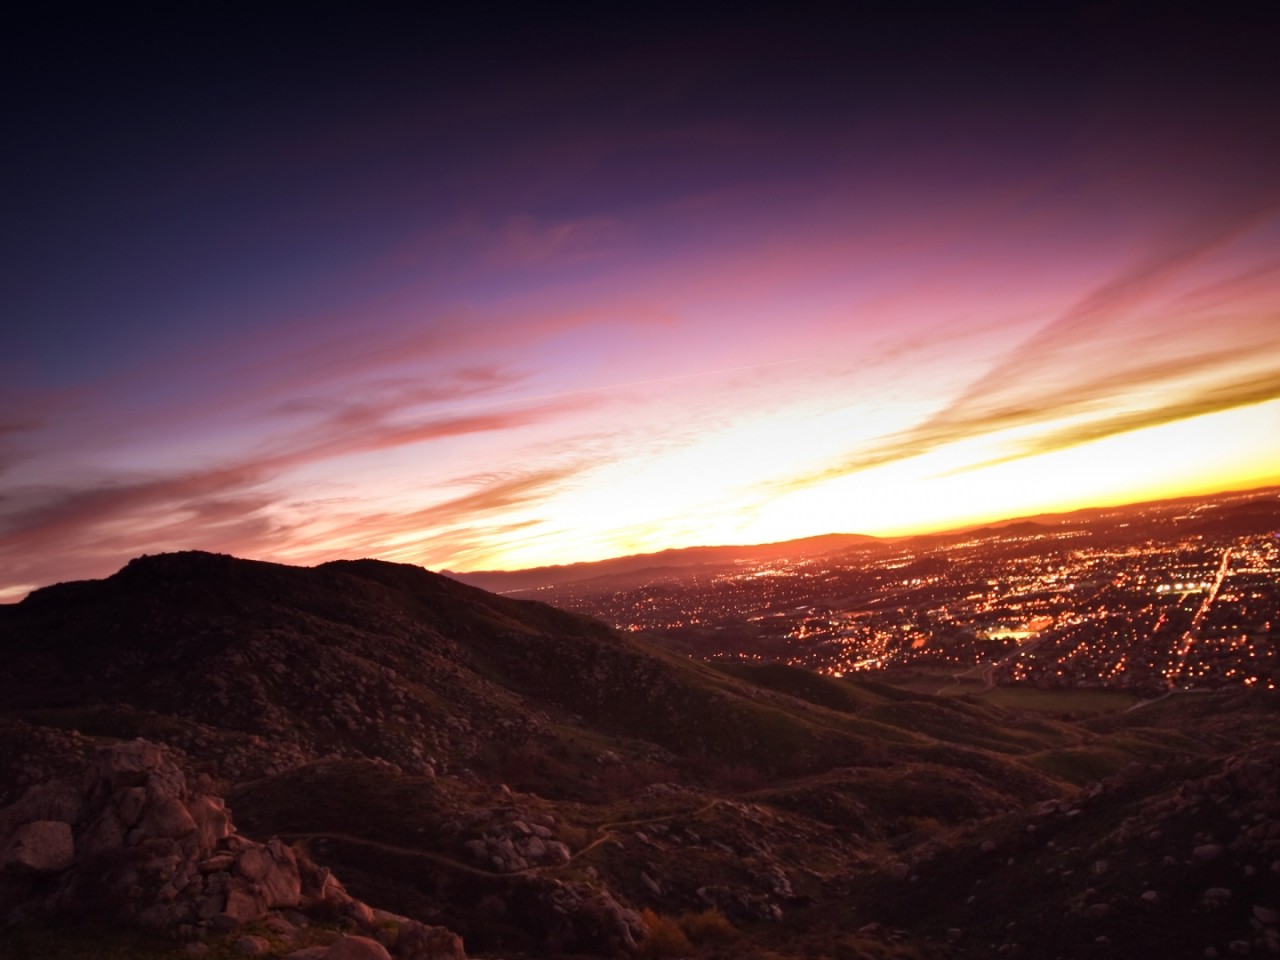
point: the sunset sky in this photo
(494, 293)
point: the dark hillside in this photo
(532, 780)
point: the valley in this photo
(433, 768)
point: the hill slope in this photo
(510, 770)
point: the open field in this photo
(1014, 697)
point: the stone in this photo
(281, 882)
(51, 800)
(357, 948)
(168, 818)
(253, 863)
(279, 925)
(1216, 896)
(1266, 915)
(418, 941)
(1206, 852)
(241, 906)
(107, 833)
(558, 852)
(129, 803)
(252, 946)
(211, 819)
(41, 847)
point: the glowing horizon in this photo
(553, 311)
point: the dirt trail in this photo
(608, 831)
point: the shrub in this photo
(665, 938)
(709, 926)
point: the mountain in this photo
(650, 565)
(538, 784)
(1229, 512)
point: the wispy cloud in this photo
(89, 528)
(1096, 366)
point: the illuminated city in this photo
(1166, 597)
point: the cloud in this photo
(528, 242)
(1107, 365)
(1218, 398)
(1014, 380)
(89, 529)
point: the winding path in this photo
(608, 831)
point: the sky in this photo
(486, 291)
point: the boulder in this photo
(417, 941)
(42, 846)
(168, 817)
(357, 948)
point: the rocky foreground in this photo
(135, 840)
(526, 782)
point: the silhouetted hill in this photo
(650, 565)
(531, 779)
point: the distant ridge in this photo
(1239, 508)
(513, 581)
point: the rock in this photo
(253, 863)
(42, 846)
(558, 852)
(168, 818)
(1206, 852)
(106, 834)
(1150, 898)
(165, 856)
(211, 819)
(357, 948)
(1216, 896)
(242, 907)
(52, 800)
(129, 803)
(281, 882)
(417, 941)
(253, 946)
(1266, 915)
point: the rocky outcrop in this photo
(41, 846)
(138, 840)
(585, 918)
(510, 841)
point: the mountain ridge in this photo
(532, 780)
